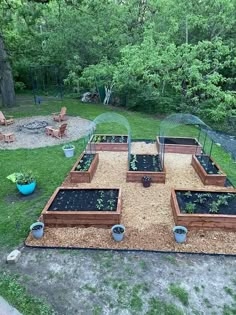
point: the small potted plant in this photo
(180, 233)
(69, 150)
(118, 231)
(37, 229)
(25, 182)
(146, 180)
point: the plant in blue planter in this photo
(25, 182)
(37, 229)
(118, 231)
(180, 233)
(69, 150)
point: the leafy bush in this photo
(25, 178)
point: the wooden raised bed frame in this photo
(108, 146)
(84, 176)
(136, 176)
(202, 221)
(208, 179)
(181, 148)
(81, 218)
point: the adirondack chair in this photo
(4, 121)
(61, 115)
(58, 133)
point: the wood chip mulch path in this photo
(146, 212)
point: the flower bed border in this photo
(109, 146)
(180, 148)
(208, 179)
(84, 176)
(202, 221)
(81, 218)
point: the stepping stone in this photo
(13, 257)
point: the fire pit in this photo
(35, 126)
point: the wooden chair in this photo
(61, 115)
(4, 121)
(58, 133)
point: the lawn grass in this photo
(180, 293)
(50, 167)
(16, 294)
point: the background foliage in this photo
(158, 56)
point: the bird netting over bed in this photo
(110, 119)
(174, 125)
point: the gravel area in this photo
(146, 212)
(76, 128)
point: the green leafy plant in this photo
(68, 146)
(214, 207)
(100, 201)
(147, 178)
(99, 204)
(111, 204)
(200, 198)
(85, 167)
(25, 178)
(97, 139)
(122, 139)
(190, 207)
(188, 194)
(133, 163)
(112, 201)
(223, 200)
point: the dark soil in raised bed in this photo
(208, 164)
(182, 141)
(85, 200)
(148, 163)
(85, 162)
(204, 201)
(109, 139)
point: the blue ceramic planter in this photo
(37, 229)
(69, 152)
(117, 233)
(180, 233)
(26, 189)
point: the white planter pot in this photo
(69, 152)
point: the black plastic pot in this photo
(146, 181)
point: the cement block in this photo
(13, 256)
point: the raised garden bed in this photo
(209, 172)
(84, 168)
(180, 145)
(141, 165)
(201, 209)
(70, 206)
(103, 142)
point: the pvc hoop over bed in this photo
(110, 117)
(175, 120)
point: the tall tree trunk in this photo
(6, 78)
(186, 30)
